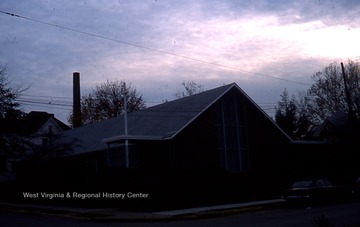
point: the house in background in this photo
(213, 135)
(33, 128)
(39, 125)
(332, 150)
(34, 123)
(335, 128)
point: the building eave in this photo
(121, 138)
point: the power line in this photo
(47, 100)
(44, 96)
(149, 48)
(51, 107)
(42, 102)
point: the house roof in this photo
(32, 123)
(34, 120)
(339, 120)
(159, 122)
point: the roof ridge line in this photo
(204, 109)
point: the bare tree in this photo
(353, 82)
(191, 88)
(107, 101)
(324, 98)
(9, 108)
(327, 95)
(11, 146)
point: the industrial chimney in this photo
(76, 100)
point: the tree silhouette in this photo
(191, 88)
(9, 108)
(327, 95)
(107, 101)
(324, 98)
(286, 114)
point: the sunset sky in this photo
(264, 46)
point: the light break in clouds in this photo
(264, 46)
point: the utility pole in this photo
(76, 100)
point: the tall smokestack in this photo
(76, 100)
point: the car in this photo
(316, 190)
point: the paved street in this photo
(339, 215)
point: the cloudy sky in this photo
(264, 46)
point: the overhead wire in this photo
(42, 102)
(51, 103)
(51, 107)
(149, 48)
(54, 100)
(46, 96)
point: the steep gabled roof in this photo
(159, 122)
(168, 119)
(31, 123)
(340, 121)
